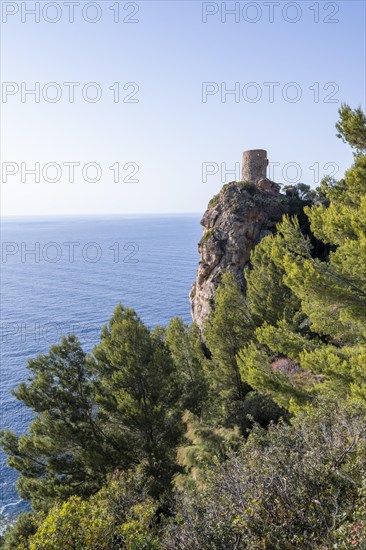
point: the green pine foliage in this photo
(185, 347)
(137, 391)
(351, 127)
(325, 339)
(270, 299)
(207, 447)
(232, 401)
(63, 452)
(230, 325)
(120, 515)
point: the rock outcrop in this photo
(234, 223)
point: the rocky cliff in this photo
(235, 221)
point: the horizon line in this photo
(136, 214)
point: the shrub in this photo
(214, 201)
(293, 486)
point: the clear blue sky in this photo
(170, 132)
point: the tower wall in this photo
(254, 166)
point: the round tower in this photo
(254, 165)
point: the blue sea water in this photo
(66, 275)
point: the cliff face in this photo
(235, 221)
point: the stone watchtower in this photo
(254, 167)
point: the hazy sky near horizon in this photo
(132, 112)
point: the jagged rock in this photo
(267, 185)
(235, 221)
(294, 372)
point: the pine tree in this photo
(268, 297)
(351, 127)
(137, 390)
(232, 401)
(185, 347)
(207, 446)
(63, 452)
(229, 327)
(326, 338)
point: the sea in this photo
(65, 275)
